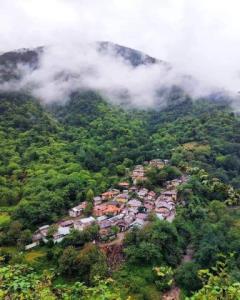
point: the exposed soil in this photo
(173, 294)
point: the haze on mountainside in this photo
(200, 43)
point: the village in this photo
(118, 210)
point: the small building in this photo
(122, 225)
(59, 235)
(134, 203)
(122, 198)
(141, 216)
(30, 246)
(129, 219)
(159, 216)
(149, 206)
(116, 218)
(163, 211)
(101, 218)
(99, 210)
(164, 204)
(40, 233)
(105, 224)
(124, 185)
(97, 200)
(67, 223)
(112, 210)
(142, 192)
(108, 195)
(151, 195)
(77, 210)
(157, 163)
(83, 223)
(137, 223)
(171, 193)
(106, 234)
(133, 189)
(37, 237)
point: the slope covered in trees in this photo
(52, 156)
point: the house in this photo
(164, 204)
(138, 179)
(106, 234)
(105, 224)
(133, 189)
(171, 193)
(138, 174)
(115, 191)
(160, 216)
(40, 233)
(77, 210)
(122, 225)
(67, 223)
(97, 200)
(101, 218)
(99, 210)
(157, 163)
(133, 210)
(116, 218)
(122, 198)
(149, 206)
(172, 184)
(141, 216)
(32, 245)
(37, 237)
(83, 223)
(112, 210)
(134, 203)
(129, 219)
(151, 195)
(108, 195)
(124, 184)
(163, 211)
(137, 223)
(142, 193)
(170, 217)
(61, 232)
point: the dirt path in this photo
(174, 292)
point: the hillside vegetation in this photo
(53, 155)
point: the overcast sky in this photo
(155, 26)
(200, 37)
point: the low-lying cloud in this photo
(63, 70)
(199, 39)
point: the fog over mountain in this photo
(120, 74)
(200, 41)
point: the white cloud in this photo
(200, 38)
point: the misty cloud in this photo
(199, 38)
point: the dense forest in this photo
(52, 155)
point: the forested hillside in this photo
(52, 155)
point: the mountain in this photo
(29, 58)
(10, 61)
(56, 155)
(134, 57)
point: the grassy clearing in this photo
(34, 255)
(9, 249)
(4, 218)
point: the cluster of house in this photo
(138, 173)
(118, 210)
